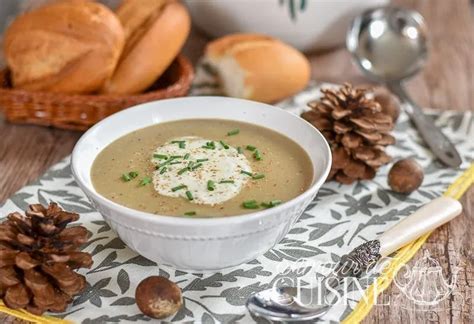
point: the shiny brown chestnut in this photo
(158, 297)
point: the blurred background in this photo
(318, 28)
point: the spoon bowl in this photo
(389, 44)
(283, 304)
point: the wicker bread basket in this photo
(80, 112)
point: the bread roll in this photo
(258, 67)
(155, 33)
(67, 46)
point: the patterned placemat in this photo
(340, 218)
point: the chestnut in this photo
(405, 176)
(158, 297)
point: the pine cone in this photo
(357, 130)
(38, 255)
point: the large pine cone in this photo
(38, 255)
(357, 130)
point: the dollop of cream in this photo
(221, 165)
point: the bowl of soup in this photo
(201, 183)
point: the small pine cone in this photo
(357, 130)
(38, 255)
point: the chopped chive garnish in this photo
(163, 170)
(186, 156)
(179, 188)
(233, 132)
(257, 156)
(176, 156)
(226, 181)
(180, 172)
(211, 185)
(224, 145)
(258, 176)
(247, 173)
(250, 147)
(133, 174)
(202, 160)
(189, 195)
(167, 161)
(240, 150)
(196, 166)
(190, 164)
(181, 144)
(272, 203)
(210, 145)
(190, 213)
(145, 181)
(250, 204)
(129, 176)
(175, 162)
(160, 156)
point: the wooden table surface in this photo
(446, 83)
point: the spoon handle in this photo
(439, 144)
(432, 215)
(429, 217)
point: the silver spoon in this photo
(290, 304)
(390, 45)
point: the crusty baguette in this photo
(258, 67)
(67, 46)
(155, 33)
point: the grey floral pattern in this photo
(340, 218)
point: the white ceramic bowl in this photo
(200, 244)
(305, 24)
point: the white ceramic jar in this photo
(306, 24)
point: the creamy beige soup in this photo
(202, 168)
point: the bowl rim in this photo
(202, 221)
